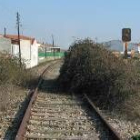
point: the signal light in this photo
(126, 34)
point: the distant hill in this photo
(118, 45)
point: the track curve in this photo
(57, 116)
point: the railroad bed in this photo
(61, 116)
(56, 116)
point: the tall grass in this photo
(12, 75)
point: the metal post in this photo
(53, 46)
(125, 52)
(4, 32)
(45, 51)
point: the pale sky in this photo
(68, 20)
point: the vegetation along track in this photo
(52, 115)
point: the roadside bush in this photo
(10, 71)
(12, 76)
(90, 68)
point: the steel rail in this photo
(22, 129)
(113, 133)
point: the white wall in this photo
(139, 49)
(25, 46)
(5, 45)
(29, 52)
(34, 54)
(15, 50)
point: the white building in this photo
(5, 45)
(139, 47)
(29, 49)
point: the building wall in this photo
(25, 46)
(34, 54)
(5, 45)
(15, 50)
(29, 53)
(139, 48)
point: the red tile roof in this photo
(14, 38)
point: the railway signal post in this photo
(126, 37)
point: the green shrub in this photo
(137, 137)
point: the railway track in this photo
(56, 116)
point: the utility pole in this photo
(53, 46)
(4, 32)
(18, 24)
(45, 52)
(52, 40)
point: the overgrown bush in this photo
(12, 76)
(10, 71)
(90, 68)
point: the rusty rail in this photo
(115, 135)
(22, 129)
